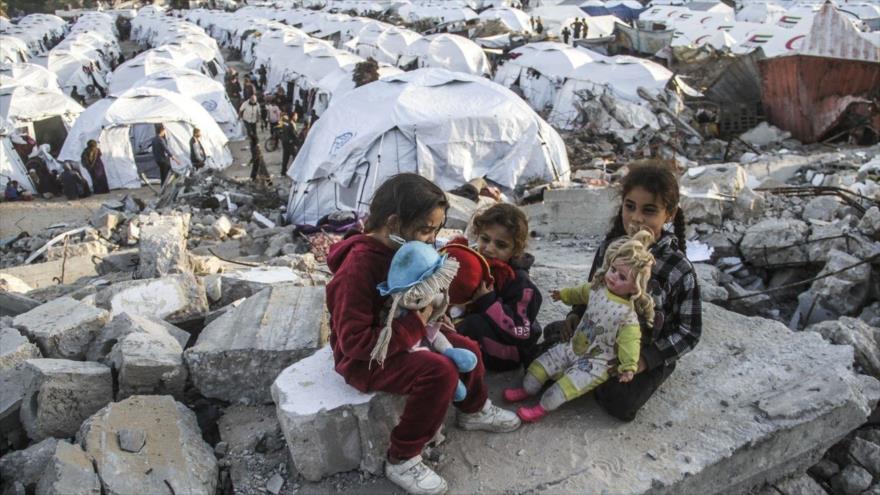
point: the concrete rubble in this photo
(26, 466)
(174, 456)
(174, 298)
(162, 245)
(15, 350)
(60, 394)
(62, 328)
(237, 357)
(148, 363)
(69, 472)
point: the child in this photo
(406, 207)
(502, 318)
(609, 331)
(650, 200)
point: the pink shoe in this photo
(515, 394)
(531, 414)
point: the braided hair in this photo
(658, 178)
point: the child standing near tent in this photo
(650, 200)
(502, 318)
(406, 207)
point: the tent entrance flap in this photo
(51, 131)
(140, 136)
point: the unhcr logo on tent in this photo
(340, 141)
(210, 105)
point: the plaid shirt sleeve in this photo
(684, 324)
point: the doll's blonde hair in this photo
(633, 251)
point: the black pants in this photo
(251, 128)
(286, 156)
(621, 400)
(164, 168)
(479, 329)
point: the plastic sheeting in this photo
(448, 127)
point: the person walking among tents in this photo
(566, 34)
(289, 142)
(539, 26)
(197, 155)
(77, 97)
(161, 153)
(91, 160)
(248, 90)
(263, 80)
(250, 114)
(577, 26)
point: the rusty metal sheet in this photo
(808, 95)
(740, 82)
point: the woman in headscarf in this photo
(91, 160)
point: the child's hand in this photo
(555, 295)
(626, 376)
(482, 290)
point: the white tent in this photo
(71, 69)
(13, 49)
(124, 124)
(23, 104)
(33, 75)
(384, 43)
(764, 12)
(206, 91)
(622, 76)
(338, 83)
(127, 74)
(516, 20)
(448, 127)
(447, 51)
(11, 167)
(540, 73)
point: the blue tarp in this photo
(625, 13)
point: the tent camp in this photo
(471, 128)
(384, 43)
(13, 50)
(76, 70)
(123, 127)
(11, 167)
(23, 74)
(447, 51)
(515, 20)
(149, 62)
(47, 114)
(538, 73)
(206, 91)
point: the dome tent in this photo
(25, 74)
(471, 128)
(123, 124)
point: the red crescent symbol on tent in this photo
(704, 19)
(701, 38)
(791, 42)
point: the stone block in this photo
(162, 246)
(124, 324)
(173, 459)
(63, 327)
(125, 260)
(870, 223)
(13, 304)
(852, 480)
(60, 394)
(69, 472)
(148, 363)
(11, 283)
(843, 294)
(15, 349)
(821, 208)
(238, 355)
(709, 192)
(574, 211)
(80, 249)
(864, 339)
(329, 426)
(27, 465)
(174, 298)
(39, 275)
(797, 485)
(866, 454)
(775, 241)
(710, 282)
(245, 283)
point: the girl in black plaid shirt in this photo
(650, 201)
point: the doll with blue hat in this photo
(419, 276)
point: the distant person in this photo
(14, 192)
(250, 114)
(248, 90)
(91, 160)
(566, 34)
(264, 112)
(70, 184)
(263, 79)
(273, 114)
(289, 142)
(77, 97)
(258, 165)
(539, 26)
(196, 150)
(161, 154)
(578, 26)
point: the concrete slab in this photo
(238, 355)
(124, 324)
(752, 403)
(148, 363)
(330, 427)
(162, 245)
(39, 275)
(173, 459)
(245, 283)
(174, 298)
(15, 349)
(12, 304)
(60, 394)
(69, 472)
(63, 328)
(574, 211)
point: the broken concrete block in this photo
(864, 339)
(173, 459)
(871, 314)
(866, 454)
(173, 298)
(12, 304)
(11, 283)
(63, 327)
(710, 282)
(15, 349)
(562, 211)
(870, 223)
(824, 238)
(132, 440)
(162, 246)
(254, 445)
(125, 324)
(821, 208)
(69, 472)
(775, 241)
(852, 480)
(245, 283)
(26, 466)
(80, 249)
(842, 294)
(125, 260)
(709, 192)
(221, 227)
(796, 485)
(106, 221)
(237, 356)
(330, 427)
(149, 364)
(60, 394)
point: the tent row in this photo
(35, 31)
(85, 57)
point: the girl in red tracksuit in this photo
(406, 207)
(502, 318)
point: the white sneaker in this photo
(490, 418)
(415, 477)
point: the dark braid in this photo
(678, 225)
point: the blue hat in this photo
(414, 262)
